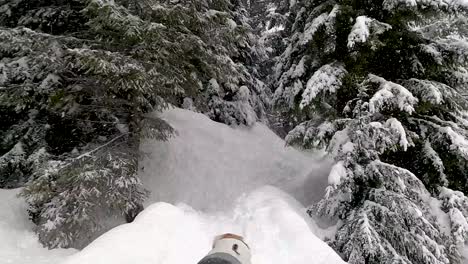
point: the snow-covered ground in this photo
(273, 226)
(208, 180)
(18, 243)
(208, 165)
(465, 253)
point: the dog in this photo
(228, 249)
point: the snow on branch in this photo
(391, 95)
(327, 78)
(398, 128)
(312, 27)
(457, 45)
(456, 204)
(316, 134)
(459, 225)
(337, 174)
(432, 157)
(428, 91)
(396, 179)
(453, 198)
(459, 142)
(451, 5)
(325, 19)
(393, 4)
(433, 51)
(364, 28)
(88, 154)
(360, 31)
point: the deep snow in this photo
(275, 229)
(208, 164)
(465, 253)
(18, 243)
(208, 180)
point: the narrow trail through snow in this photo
(165, 234)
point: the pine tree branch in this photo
(87, 154)
(99, 122)
(51, 36)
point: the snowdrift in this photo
(18, 243)
(208, 164)
(272, 223)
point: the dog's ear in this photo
(229, 235)
(216, 238)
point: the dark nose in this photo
(234, 248)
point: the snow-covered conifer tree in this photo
(369, 83)
(79, 82)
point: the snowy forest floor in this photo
(208, 180)
(18, 243)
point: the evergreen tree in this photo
(456, 205)
(368, 82)
(79, 83)
(268, 19)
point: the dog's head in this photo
(232, 236)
